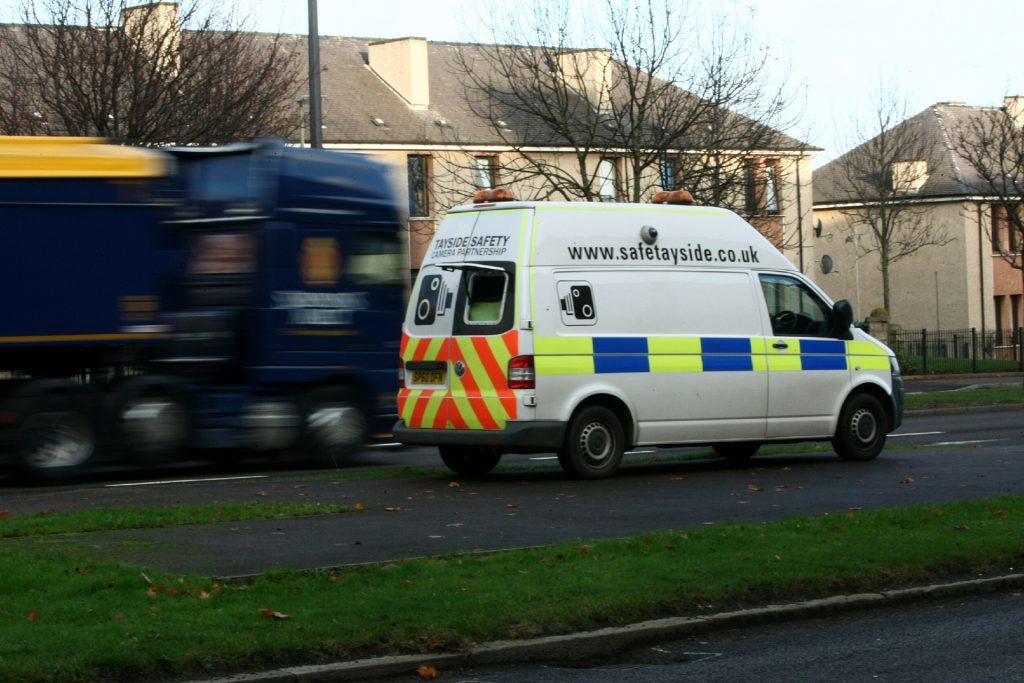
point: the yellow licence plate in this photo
(428, 376)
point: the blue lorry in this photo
(245, 297)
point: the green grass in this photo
(68, 619)
(942, 366)
(971, 397)
(77, 521)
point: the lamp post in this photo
(316, 133)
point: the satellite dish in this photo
(826, 264)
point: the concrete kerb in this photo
(606, 641)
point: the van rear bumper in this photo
(535, 436)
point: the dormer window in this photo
(909, 176)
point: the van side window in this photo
(794, 309)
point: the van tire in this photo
(737, 451)
(862, 428)
(594, 444)
(470, 461)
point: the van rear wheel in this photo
(593, 444)
(736, 450)
(470, 461)
(862, 428)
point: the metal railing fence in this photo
(958, 351)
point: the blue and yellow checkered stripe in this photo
(606, 355)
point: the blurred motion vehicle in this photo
(154, 301)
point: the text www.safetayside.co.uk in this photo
(691, 253)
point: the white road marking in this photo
(915, 434)
(184, 481)
(964, 443)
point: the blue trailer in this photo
(241, 297)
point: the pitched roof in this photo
(949, 175)
(354, 95)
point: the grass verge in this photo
(65, 619)
(986, 396)
(77, 521)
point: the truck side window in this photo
(794, 309)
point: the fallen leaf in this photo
(905, 481)
(427, 672)
(272, 614)
(335, 579)
(582, 550)
(511, 505)
(850, 514)
(5, 514)
(119, 616)
(755, 487)
(779, 488)
(33, 615)
(358, 507)
(676, 477)
(51, 511)
(261, 493)
(456, 525)
(393, 509)
(454, 485)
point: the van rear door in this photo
(462, 325)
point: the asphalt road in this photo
(957, 457)
(979, 639)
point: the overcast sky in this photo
(836, 51)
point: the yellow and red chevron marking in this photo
(480, 399)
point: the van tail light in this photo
(401, 374)
(521, 374)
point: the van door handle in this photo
(780, 345)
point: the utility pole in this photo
(316, 131)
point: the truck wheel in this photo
(736, 450)
(861, 431)
(334, 425)
(470, 461)
(55, 439)
(151, 423)
(594, 444)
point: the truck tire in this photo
(736, 451)
(862, 429)
(470, 461)
(151, 421)
(594, 444)
(55, 438)
(334, 425)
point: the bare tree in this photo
(880, 180)
(992, 143)
(148, 74)
(679, 101)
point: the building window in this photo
(419, 184)
(668, 173)
(771, 192)
(484, 173)
(762, 187)
(998, 216)
(607, 179)
(1015, 311)
(998, 300)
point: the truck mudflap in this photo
(535, 436)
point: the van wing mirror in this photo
(842, 318)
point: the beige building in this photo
(402, 101)
(964, 283)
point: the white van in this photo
(587, 329)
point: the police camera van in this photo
(587, 329)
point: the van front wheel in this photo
(470, 461)
(593, 444)
(861, 431)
